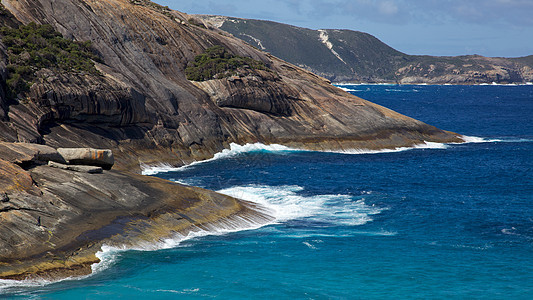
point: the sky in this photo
(496, 28)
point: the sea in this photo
(435, 221)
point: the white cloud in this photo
(388, 8)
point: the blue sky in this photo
(432, 27)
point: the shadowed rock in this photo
(77, 168)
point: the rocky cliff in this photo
(142, 103)
(353, 56)
(138, 102)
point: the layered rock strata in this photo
(53, 221)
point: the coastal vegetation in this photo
(217, 62)
(33, 47)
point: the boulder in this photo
(88, 156)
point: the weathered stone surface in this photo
(77, 168)
(261, 91)
(88, 156)
(145, 110)
(55, 227)
(26, 153)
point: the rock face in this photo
(259, 91)
(146, 111)
(346, 55)
(53, 220)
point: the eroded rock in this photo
(27, 153)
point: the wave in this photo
(339, 84)
(109, 255)
(404, 91)
(234, 150)
(286, 203)
(349, 89)
(475, 139)
(425, 145)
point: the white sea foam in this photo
(287, 203)
(108, 254)
(475, 139)
(403, 91)
(425, 145)
(349, 89)
(234, 150)
(158, 168)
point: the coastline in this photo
(122, 209)
(130, 210)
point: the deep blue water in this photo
(450, 222)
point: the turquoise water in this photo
(440, 221)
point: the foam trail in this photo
(425, 145)
(286, 204)
(348, 89)
(236, 150)
(154, 169)
(475, 139)
(233, 151)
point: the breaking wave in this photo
(287, 203)
(234, 150)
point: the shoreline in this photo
(127, 209)
(154, 209)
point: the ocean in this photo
(436, 221)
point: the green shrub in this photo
(217, 62)
(33, 47)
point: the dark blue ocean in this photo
(438, 221)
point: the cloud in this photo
(487, 12)
(388, 8)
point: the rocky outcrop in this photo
(25, 154)
(145, 110)
(260, 91)
(54, 220)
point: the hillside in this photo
(353, 56)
